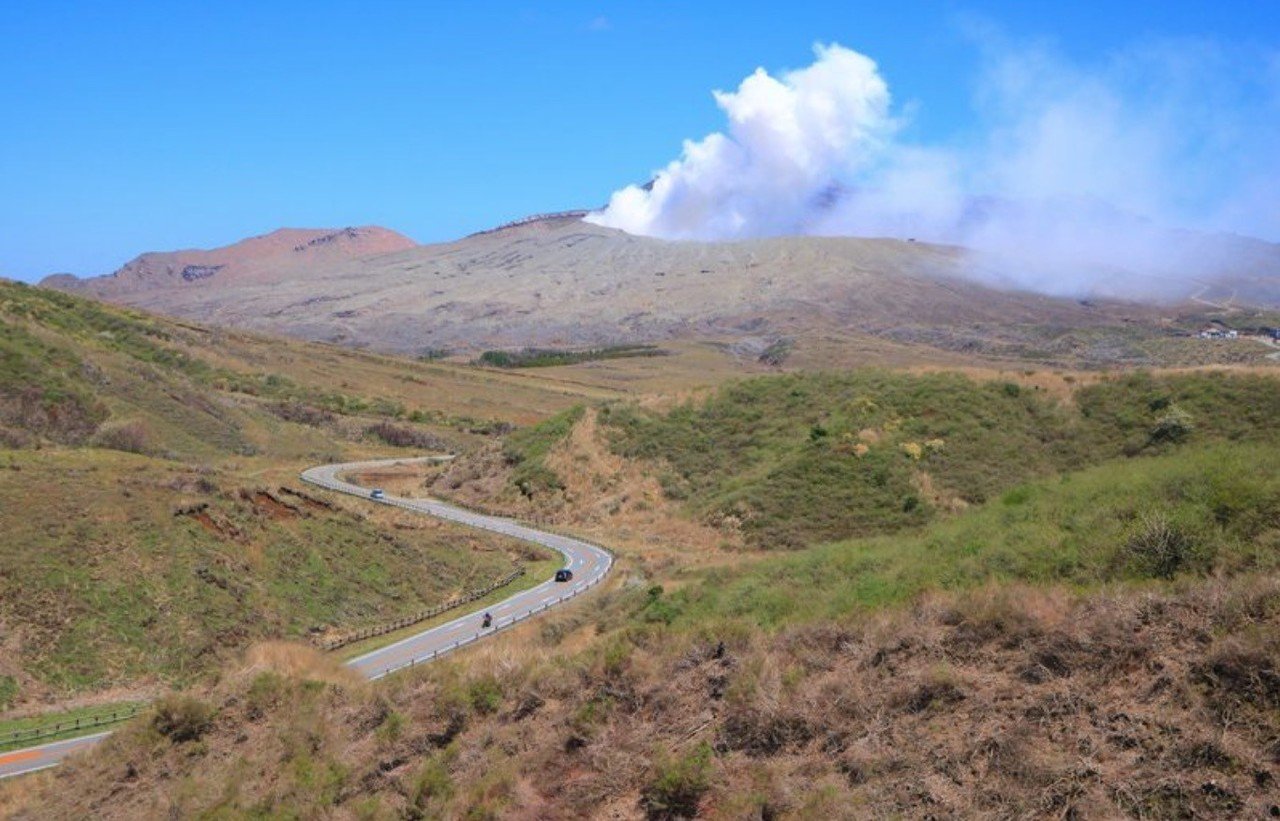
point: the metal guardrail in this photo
(409, 621)
(70, 725)
(498, 625)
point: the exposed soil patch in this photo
(206, 521)
(222, 529)
(308, 501)
(265, 502)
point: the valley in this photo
(841, 554)
(581, 411)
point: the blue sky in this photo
(136, 126)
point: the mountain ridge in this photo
(251, 259)
(557, 280)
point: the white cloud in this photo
(1074, 173)
(789, 139)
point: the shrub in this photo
(387, 407)
(265, 692)
(182, 718)
(14, 439)
(300, 413)
(392, 726)
(55, 411)
(433, 781)
(678, 784)
(777, 352)
(1172, 427)
(796, 459)
(1242, 674)
(485, 695)
(658, 609)
(1158, 547)
(673, 485)
(130, 437)
(548, 357)
(402, 436)
(937, 689)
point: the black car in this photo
(564, 575)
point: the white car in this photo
(377, 494)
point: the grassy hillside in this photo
(154, 523)
(68, 364)
(1023, 658)
(1204, 510)
(117, 569)
(995, 602)
(796, 459)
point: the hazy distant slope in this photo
(562, 281)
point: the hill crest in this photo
(283, 252)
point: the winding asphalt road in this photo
(588, 562)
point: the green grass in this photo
(108, 574)
(551, 357)
(804, 458)
(70, 365)
(121, 585)
(1082, 529)
(43, 728)
(527, 449)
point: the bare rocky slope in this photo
(559, 281)
(562, 281)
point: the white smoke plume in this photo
(1072, 179)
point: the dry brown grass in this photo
(22, 795)
(454, 389)
(1061, 384)
(615, 501)
(1004, 702)
(298, 661)
(606, 494)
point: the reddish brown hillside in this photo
(284, 253)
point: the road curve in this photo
(588, 562)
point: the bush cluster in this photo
(549, 357)
(182, 718)
(130, 437)
(301, 413)
(403, 436)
